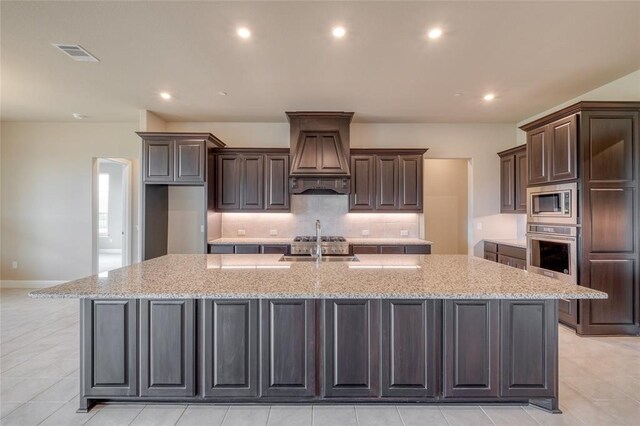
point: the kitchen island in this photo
(255, 329)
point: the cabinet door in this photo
(274, 249)
(521, 181)
(363, 191)
(364, 249)
(491, 256)
(221, 248)
(538, 155)
(395, 249)
(417, 249)
(507, 183)
(351, 347)
(410, 183)
(568, 312)
(108, 358)
(247, 249)
(408, 348)
(288, 347)
(563, 149)
(319, 153)
(386, 182)
(158, 160)
(167, 348)
(505, 260)
(189, 161)
(228, 182)
(471, 333)
(230, 348)
(277, 182)
(528, 358)
(519, 263)
(252, 182)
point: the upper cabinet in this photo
(386, 180)
(252, 180)
(513, 180)
(552, 151)
(176, 158)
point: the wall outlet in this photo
(365, 232)
(14, 264)
(404, 233)
(241, 232)
(479, 226)
(273, 232)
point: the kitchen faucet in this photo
(318, 241)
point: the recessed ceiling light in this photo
(338, 32)
(221, 93)
(78, 116)
(489, 97)
(435, 33)
(165, 95)
(244, 32)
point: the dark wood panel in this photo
(512, 251)
(252, 182)
(167, 348)
(611, 148)
(247, 249)
(189, 161)
(156, 220)
(410, 183)
(417, 249)
(351, 348)
(529, 348)
(221, 248)
(491, 256)
(563, 149)
(617, 279)
(612, 212)
(408, 348)
(363, 190)
(507, 184)
(228, 182)
(288, 347)
(387, 182)
(364, 249)
(274, 249)
(277, 182)
(319, 153)
(108, 358)
(537, 155)
(521, 180)
(505, 260)
(230, 344)
(568, 312)
(158, 160)
(471, 333)
(391, 249)
(492, 247)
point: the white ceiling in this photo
(533, 55)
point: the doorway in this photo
(111, 214)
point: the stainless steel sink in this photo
(325, 258)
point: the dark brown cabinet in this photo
(248, 248)
(167, 348)
(288, 347)
(351, 348)
(319, 154)
(513, 182)
(390, 249)
(252, 180)
(409, 356)
(229, 348)
(386, 180)
(471, 348)
(173, 159)
(506, 254)
(552, 151)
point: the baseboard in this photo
(29, 283)
(110, 251)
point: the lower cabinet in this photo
(288, 347)
(167, 347)
(108, 359)
(229, 333)
(409, 354)
(471, 343)
(351, 347)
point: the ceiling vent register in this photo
(76, 52)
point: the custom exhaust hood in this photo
(319, 152)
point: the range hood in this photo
(319, 152)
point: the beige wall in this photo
(446, 194)
(46, 195)
(186, 217)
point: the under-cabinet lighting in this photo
(384, 267)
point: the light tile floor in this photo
(599, 384)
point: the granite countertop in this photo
(264, 276)
(509, 242)
(274, 240)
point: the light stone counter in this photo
(196, 276)
(246, 240)
(390, 241)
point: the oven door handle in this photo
(549, 237)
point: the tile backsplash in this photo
(332, 210)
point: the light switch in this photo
(479, 226)
(14, 264)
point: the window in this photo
(103, 204)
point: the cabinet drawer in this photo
(490, 256)
(419, 249)
(391, 249)
(221, 248)
(364, 249)
(247, 249)
(492, 247)
(511, 251)
(275, 249)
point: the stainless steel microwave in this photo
(553, 204)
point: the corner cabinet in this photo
(250, 180)
(513, 180)
(386, 180)
(552, 151)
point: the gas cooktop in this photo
(312, 239)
